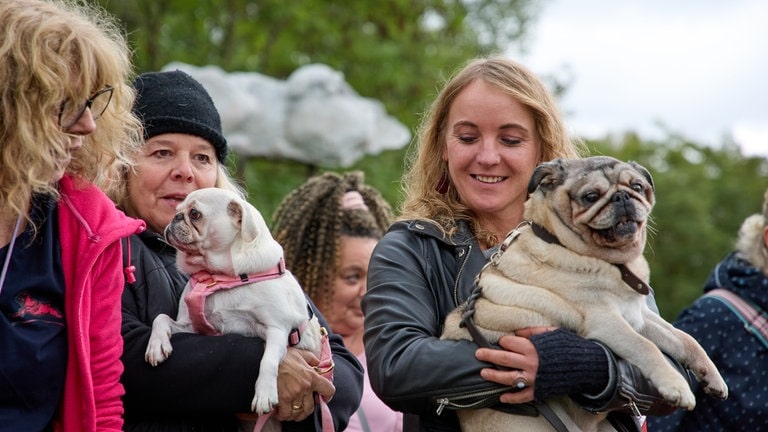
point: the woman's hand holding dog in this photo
(519, 356)
(297, 383)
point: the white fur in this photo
(231, 238)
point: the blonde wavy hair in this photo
(51, 52)
(425, 165)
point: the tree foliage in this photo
(393, 50)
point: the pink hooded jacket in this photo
(90, 229)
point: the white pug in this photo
(572, 266)
(221, 237)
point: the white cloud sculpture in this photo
(314, 116)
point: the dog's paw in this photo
(263, 405)
(265, 397)
(678, 395)
(714, 386)
(158, 350)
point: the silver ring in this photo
(520, 382)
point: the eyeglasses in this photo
(70, 114)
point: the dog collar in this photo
(627, 275)
(205, 284)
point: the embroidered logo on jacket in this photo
(33, 309)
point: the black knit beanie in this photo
(174, 102)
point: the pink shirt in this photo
(379, 417)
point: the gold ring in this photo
(297, 407)
(520, 382)
(323, 371)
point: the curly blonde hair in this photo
(425, 166)
(51, 52)
(310, 220)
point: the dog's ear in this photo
(547, 176)
(644, 172)
(243, 213)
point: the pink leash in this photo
(325, 368)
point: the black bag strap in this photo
(363, 420)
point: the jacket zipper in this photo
(474, 399)
(458, 275)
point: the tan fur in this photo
(598, 209)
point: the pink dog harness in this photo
(205, 284)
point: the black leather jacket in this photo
(207, 378)
(415, 278)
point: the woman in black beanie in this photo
(209, 380)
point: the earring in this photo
(442, 184)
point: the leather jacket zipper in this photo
(465, 256)
(471, 400)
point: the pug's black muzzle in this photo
(625, 215)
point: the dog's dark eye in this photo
(590, 197)
(194, 214)
(637, 187)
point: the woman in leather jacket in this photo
(489, 127)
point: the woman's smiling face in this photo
(349, 285)
(491, 149)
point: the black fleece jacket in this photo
(207, 378)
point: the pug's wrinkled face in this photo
(598, 206)
(206, 222)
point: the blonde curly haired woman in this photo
(66, 96)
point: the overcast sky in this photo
(698, 67)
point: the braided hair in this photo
(310, 220)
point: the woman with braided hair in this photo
(328, 228)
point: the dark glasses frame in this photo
(71, 118)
